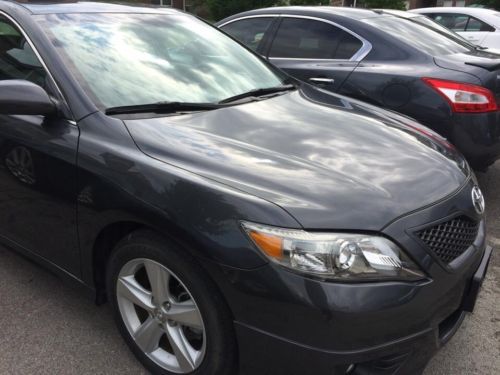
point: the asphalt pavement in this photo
(46, 327)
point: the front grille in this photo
(450, 239)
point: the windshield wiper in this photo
(162, 107)
(258, 93)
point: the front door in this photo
(37, 164)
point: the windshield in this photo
(134, 59)
(424, 38)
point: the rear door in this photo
(316, 50)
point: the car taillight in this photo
(464, 97)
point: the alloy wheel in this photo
(161, 315)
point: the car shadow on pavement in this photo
(50, 328)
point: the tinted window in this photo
(17, 59)
(419, 36)
(455, 22)
(461, 22)
(476, 25)
(249, 31)
(309, 39)
(177, 58)
(430, 23)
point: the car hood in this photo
(331, 162)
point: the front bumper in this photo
(425, 321)
(290, 324)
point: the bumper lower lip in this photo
(265, 347)
(477, 281)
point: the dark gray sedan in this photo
(400, 61)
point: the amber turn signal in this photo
(271, 245)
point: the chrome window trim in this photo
(37, 54)
(365, 49)
(246, 17)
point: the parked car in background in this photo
(388, 60)
(238, 221)
(479, 26)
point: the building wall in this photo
(179, 4)
(414, 3)
(438, 3)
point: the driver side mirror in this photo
(20, 97)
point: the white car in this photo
(479, 26)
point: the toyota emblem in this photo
(478, 200)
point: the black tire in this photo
(220, 351)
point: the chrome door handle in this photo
(322, 81)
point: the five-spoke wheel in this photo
(161, 315)
(168, 310)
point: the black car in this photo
(397, 61)
(236, 220)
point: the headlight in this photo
(341, 256)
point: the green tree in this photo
(220, 9)
(309, 2)
(385, 4)
(495, 4)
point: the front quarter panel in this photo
(118, 183)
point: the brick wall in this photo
(179, 4)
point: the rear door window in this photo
(311, 39)
(249, 31)
(477, 25)
(420, 36)
(455, 22)
(461, 22)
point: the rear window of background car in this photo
(310, 39)
(422, 37)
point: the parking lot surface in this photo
(46, 327)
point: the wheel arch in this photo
(105, 241)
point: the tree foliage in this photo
(495, 4)
(220, 9)
(309, 2)
(385, 4)
(225, 8)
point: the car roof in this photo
(56, 7)
(353, 13)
